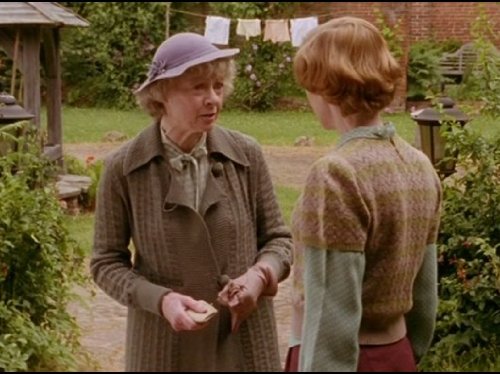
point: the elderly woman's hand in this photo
(175, 307)
(240, 295)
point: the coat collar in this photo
(147, 145)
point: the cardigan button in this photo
(222, 280)
(217, 169)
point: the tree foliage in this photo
(103, 63)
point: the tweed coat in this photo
(178, 248)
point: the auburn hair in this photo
(347, 61)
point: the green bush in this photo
(424, 77)
(92, 168)
(391, 31)
(103, 63)
(468, 327)
(264, 68)
(39, 265)
(486, 71)
(264, 75)
(482, 81)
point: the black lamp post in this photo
(431, 142)
(10, 112)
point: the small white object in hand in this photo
(203, 317)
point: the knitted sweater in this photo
(377, 197)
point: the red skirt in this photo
(397, 356)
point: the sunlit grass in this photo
(81, 229)
(287, 196)
(281, 128)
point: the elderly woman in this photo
(198, 203)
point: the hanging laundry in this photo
(300, 27)
(248, 27)
(276, 30)
(217, 29)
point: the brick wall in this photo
(440, 21)
(419, 20)
(449, 20)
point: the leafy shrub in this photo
(424, 77)
(91, 168)
(482, 82)
(468, 326)
(264, 75)
(39, 265)
(104, 62)
(486, 71)
(264, 68)
(391, 32)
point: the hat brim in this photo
(178, 70)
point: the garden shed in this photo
(30, 37)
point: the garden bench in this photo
(454, 65)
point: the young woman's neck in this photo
(347, 123)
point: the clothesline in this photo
(275, 30)
(206, 15)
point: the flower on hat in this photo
(156, 68)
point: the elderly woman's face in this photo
(193, 103)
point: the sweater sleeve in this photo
(420, 320)
(332, 212)
(331, 223)
(333, 286)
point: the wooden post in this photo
(14, 65)
(8, 43)
(31, 72)
(53, 73)
(167, 19)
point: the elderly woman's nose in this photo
(213, 95)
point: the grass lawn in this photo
(89, 125)
(81, 229)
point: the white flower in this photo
(258, 84)
(255, 47)
(248, 68)
(288, 59)
(253, 77)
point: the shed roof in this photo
(43, 14)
